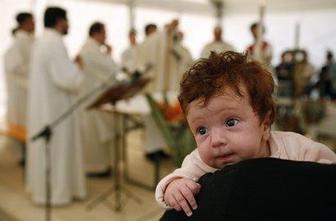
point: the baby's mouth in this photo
(225, 156)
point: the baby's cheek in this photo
(201, 142)
(199, 138)
(205, 155)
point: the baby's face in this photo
(227, 130)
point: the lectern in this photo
(112, 95)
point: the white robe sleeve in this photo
(192, 168)
(65, 74)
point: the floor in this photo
(15, 204)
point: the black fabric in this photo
(265, 189)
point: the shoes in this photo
(157, 155)
(103, 174)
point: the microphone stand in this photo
(47, 132)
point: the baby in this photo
(227, 101)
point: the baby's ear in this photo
(267, 123)
(267, 119)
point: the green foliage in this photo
(313, 111)
(177, 135)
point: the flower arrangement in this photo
(173, 127)
(171, 112)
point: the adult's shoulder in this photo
(51, 36)
(263, 189)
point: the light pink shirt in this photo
(283, 145)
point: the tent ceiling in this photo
(230, 6)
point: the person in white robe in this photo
(97, 127)
(54, 81)
(129, 55)
(260, 50)
(217, 45)
(156, 58)
(146, 63)
(17, 62)
(146, 60)
(167, 58)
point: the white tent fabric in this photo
(231, 7)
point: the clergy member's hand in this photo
(180, 193)
(78, 61)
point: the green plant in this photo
(176, 134)
(313, 111)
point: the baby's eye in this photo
(202, 130)
(231, 122)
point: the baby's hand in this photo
(180, 193)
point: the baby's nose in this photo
(217, 137)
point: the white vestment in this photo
(97, 127)
(181, 60)
(154, 140)
(167, 61)
(216, 46)
(17, 61)
(262, 52)
(129, 58)
(149, 58)
(54, 80)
